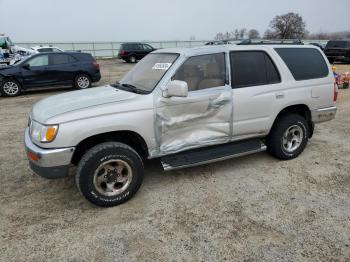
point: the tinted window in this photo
(58, 59)
(43, 50)
(42, 60)
(252, 68)
(304, 63)
(204, 71)
(147, 47)
(338, 44)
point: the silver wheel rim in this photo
(292, 138)
(83, 82)
(112, 177)
(10, 88)
(133, 59)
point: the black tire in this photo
(132, 59)
(82, 81)
(10, 87)
(277, 145)
(101, 155)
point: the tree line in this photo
(286, 26)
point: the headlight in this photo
(42, 133)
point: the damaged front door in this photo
(202, 118)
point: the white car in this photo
(42, 49)
(185, 107)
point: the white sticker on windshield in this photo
(161, 66)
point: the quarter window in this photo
(58, 59)
(304, 63)
(252, 68)
(204, 71)
(42, 60)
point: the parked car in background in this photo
(131, 52)
(44, 49)
(220, 42)
(338, 51)
(47, 69)
(318, 45)
(185, 107)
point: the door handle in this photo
(279, 95)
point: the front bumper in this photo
(48, 163)
(323, 114)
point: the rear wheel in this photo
(82, 81)
(10, 87)
(288, 137)
(109, 174)
(132, 59)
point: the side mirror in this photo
(176, 88)
(26, 66)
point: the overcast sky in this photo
(131, 20)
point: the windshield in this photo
(149, 71)
(339, 44)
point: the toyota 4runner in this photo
(186, 107)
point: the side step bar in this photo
(211, 154)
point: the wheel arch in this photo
(127, 137)
(6, 77)
(300, 109)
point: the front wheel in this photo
(10, 87)
(82, 81)
(109, 174)
(288, 137)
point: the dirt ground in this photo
(253, 208)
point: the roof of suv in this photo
(224, 48)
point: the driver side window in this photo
(203, 71)
(42, 60)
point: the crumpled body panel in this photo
(201, 119)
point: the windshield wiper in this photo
(129, 87)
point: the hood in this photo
(69, 102)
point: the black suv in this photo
(47, 69)
(338, 51)
(131, 52)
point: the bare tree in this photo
(242, 33)
(289, 25)
(269, 34)
(192, 37)
(227, 36)
(330, 36)
(219, 36)
(253, 34)
(236, 34)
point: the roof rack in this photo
(271, 42)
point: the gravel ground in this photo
(252, 208)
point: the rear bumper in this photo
(48, 163)
(323, 114)
(96, 77)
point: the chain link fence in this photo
(110, 49)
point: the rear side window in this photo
(304, 63)
(58, 59)
(252, 68)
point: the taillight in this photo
(335, 93)
(122, 52)
(95, 64)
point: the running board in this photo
(211, 154)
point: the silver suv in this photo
(185, 107)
